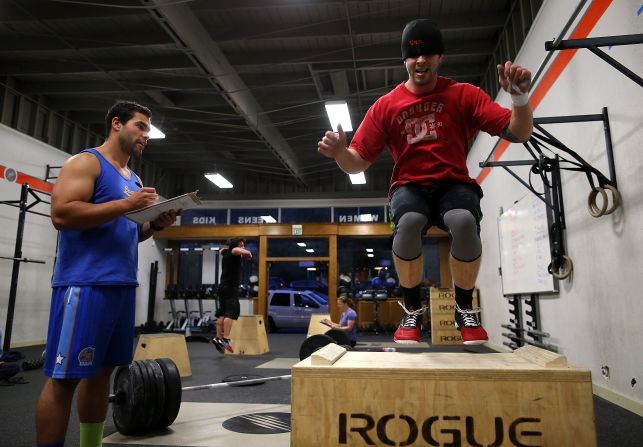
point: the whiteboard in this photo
(524, 248)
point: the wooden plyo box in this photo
(530, 397)
(315, 326)
(365, 313)
(172, 346)
(248, 336)
(442, 307)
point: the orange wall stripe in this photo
(582, 30)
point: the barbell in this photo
(147, 393)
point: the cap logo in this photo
(416, 42)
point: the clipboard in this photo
(149, 213)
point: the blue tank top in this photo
(105, 255)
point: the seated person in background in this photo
(347, 318)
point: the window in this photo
(280, 299)
(302, 300)
(297, 247)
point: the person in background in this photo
(347, 318)
(428, 123)
(229, 307)
(91, 321)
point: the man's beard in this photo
(129, 147)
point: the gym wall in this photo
(595, 319)
(31, 156)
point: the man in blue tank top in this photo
(91, 322)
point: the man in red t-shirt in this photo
(428, 123)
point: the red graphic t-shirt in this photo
(429, 135)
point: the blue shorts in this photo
(90, 327)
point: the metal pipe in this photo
(114, 397)
(608, 143)
(236, 383)
(17, 254)
(558, 39)
(605, 41)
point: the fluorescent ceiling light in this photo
(370, 255)
(218, 180)
(312, 269)
(358, 179)
(338, 114)
(198, 248)
(310, 250)
(268, 219)
(184, 249)
(214, 248)
(366, 218)
(369, 250)
(155, 133)
(378, 268)
(168, 249)
(301, 244)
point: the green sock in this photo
(91, 435)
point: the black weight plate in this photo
(128, 387)
(238, 377)
(122, 407)
(314, 343)
(149, 403)
(143, 422)
(340, 337)
(140, 385)
(173, 392)
(159, 384)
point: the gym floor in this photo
(223, 416)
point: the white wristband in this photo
(520, 100)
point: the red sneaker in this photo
(408, 332)
(471, 331)
(227, 346)
(218, 343)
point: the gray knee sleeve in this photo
(464, 234)
(407, 242)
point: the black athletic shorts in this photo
(228, 303)
(435, 201)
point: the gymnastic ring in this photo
(568, 268)
(593, 208)
(616, 200)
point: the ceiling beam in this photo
(186, 29)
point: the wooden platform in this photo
(442, 316)
(529, 397)
(248, 336)
(172, 346)
(315, 326)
